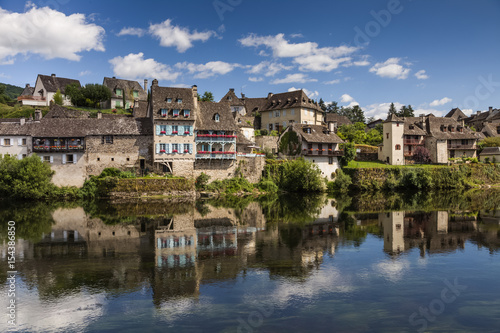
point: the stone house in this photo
(443, 137)
(15, 138)
(315, 143)
(45, 89)
(491, 153)
(125, 94)
(283, 109)
(481, 118)
(173, 112)
(334, 121)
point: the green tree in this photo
(332, 107)
(349, 153)
(493, 141)
(207, 97)
(301, 175)
(392, 110)
(58, 97)
(322, 104)
(2, 89)
(74, 92)
(353, 133)
(355, 113)
(405, 111)
(96, 93)
(373, 137)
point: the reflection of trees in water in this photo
(292, 208)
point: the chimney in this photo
(194, 88)
(242, 95)
(22, 121)
(231, 89)
(269, 95)
(490, 109)
(114, 77)
(154, 83)
(422, 117)
(331, 126)
(38, 115)
(146, 85)
(27, 85)
(53, 75)
(99, 115)
(478, 112)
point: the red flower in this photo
(163, 132)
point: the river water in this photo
(279, 264)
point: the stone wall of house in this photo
(465, 153)
(124, 153)
(367, 157)
(249, 167)
(442, 151)
(323, 164)
(266, 141)
(68, 174)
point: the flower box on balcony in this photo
(229, 152)
(186, 151)
(162, 151)
(186, 132)
(176, 115)
(163, 132)
(203, 152)
(174, 151)
(164, 115)
(186, 116)
(175, 132)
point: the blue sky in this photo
(434, 55)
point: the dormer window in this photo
(169, 100)
(229, 98)
(412, 127)
(135, 93)
(450, 128)
(119, 92)
(179, 100)
(187, 113)
(217, 118)
(307, 130)
(175, 113)
(163, 112)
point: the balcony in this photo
(217, 155)
(72, 145)
(212, 138)
(413, 142)
(322, 152)
(470, 146)
(59, 149)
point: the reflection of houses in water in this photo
(432, 232)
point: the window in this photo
(128, 159)
(230, 98)
(175, 147)
(284, 113)
(411, 127)
(179, 100)
(175, 129)
(163, 112)
(163, 148)
(23, 142)
(270, 127)
(186, 148)
(387, 135)
(284, 124)
(465, 142)
(398, 147)
(187, 113)
(98, 159)
(135, 93)
(6, 142)
(187, 130)
(169, 100)
(217, 118)
(270, 114)
(112, 159)
(107, 139)
(118, 104)
(276, 113)
(119, 92)
(70, 158)
(47, 159)
(176, 113)
(292, 112)
(330, 160)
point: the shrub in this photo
(341, 183)
(202, 181)
(267, 186)
(349, 153)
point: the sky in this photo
(433, 54)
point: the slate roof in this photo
(490, 129)
(28, 91)
(12, 128)
(340, 120)
(393, 118)
(291, 99)
(242, 121)
(159, 96)
(456, 114)
(319, 134)
(490, 151)
(205, 118)
(57, 111)
(434, 127)
(127, 86)
(418, 127)
(231, 98)
(52, 83)
(253, 105)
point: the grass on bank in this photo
(378, 164)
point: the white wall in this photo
(323, 165)
(16, 148)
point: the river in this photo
(424, 262)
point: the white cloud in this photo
(308, 55)
(212, 68)
(332, 81)
(309, 93)
(134, 67)
(48, 33)
(132, 31)
(421, 75)
(296, 35)
(84, 73)
(4, 76)
(294, 78)
(176, 36)
(392, 270)
(268, 68)
(441, 101)
(255, 79)
(391, 69)
(437, 113)
(345, 98)
(380, 110)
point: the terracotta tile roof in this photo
(205, 118)
(291, 99)
(52, 83)
(319, 134)
(127, 87)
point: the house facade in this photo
(315, 143)
(15, 138)
(173, 112)
(443, 137)
(125, 94)
(45, 88)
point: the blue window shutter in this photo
(64, 159)
(51, 159)
(190, 130)
(157, 148)
(169, 129)
(157, 129)
(190, 148)
(74, 158)
(41, 158)
(167, 148)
